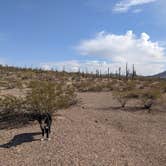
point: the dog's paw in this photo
(42, 139)
(49, 139)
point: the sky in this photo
(84, 34)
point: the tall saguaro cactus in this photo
(127, 71)
(119, 73)
(133, 72)
(108, 72)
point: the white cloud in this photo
(148, 56)
(124, 5)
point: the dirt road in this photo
(91, 134)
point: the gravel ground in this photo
(90, 134)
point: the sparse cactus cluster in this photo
(25, 73)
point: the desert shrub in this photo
(149, 97)
(93, 86)
(3, 84)
(164, 89)
(41, 97)
(126, 86)
(162, 86)
(133, 94)
(121, 97)
(12, 112)
(18, 84)
(9, 103)
(83, 86)
(47, 96)
(109, 86)
(65, 96)
(11, 84)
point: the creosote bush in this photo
(42, 97)
(121, 97)
(11, 112)
(149, 97)
(49, 96)
(11, 104)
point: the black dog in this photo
(45, 121)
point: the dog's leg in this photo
(49, 125)
(49, 129)
(47, 132)
(42, 135)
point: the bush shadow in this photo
(14, 120)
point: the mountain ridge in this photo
(160, 75)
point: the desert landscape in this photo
(97, 129)
(82, 83)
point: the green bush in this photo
(11, 104)
(41, 97)
(48, 96)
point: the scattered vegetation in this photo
(149, 97)
(47, 91)
(42, 96)
(11, 104)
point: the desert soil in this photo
(92, 133)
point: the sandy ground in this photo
(90, 134)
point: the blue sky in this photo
(84, 34)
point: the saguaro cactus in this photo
(108, 72)
(119, 74)
(127, 72)
(133, 73)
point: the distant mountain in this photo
(160, 75)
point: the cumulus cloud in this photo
(124, 5)
(148, 56)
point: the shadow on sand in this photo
(127, 108)
(20, 138)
